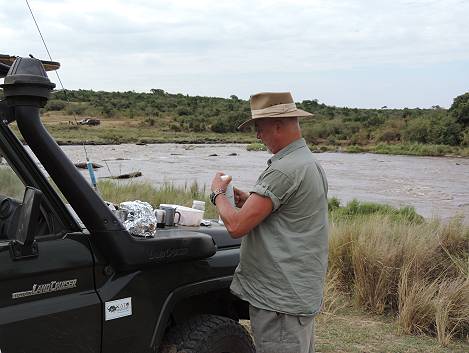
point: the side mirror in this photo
(24, 244)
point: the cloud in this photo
(175, 38)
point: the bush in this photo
(76, 109)
(324, 130)
(197, 126)
(388, 135)
(448, 132)
(417, 130)
(333, 204)
(149, 121)
(175, 127)
(360, 138)
(55, 105)
(219, 126)
(460, 109)
(465, 138)
(374, 120)
(441, 129)
(183, 111)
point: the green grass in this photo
(356, 208)
(409, 149)
(66, 134)
(355, 149)
(355, 331)
(417, 149)
(256, 146)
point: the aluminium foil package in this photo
(140, 218)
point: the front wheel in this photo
(208, 334)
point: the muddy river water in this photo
(435, 186)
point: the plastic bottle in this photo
(229, 194)
(229, 190)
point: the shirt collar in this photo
(287, 150)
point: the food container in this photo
(198, 205)
(190, 216)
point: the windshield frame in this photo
(30, 174)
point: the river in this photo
(435, 186)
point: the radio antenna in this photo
(89, 164)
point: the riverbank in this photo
(404, 149)
(113, 131)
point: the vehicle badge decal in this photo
(118, 308)
(45, 288)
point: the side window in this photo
(11, 196)
(10, 185)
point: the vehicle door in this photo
(48, 301)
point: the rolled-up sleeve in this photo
(276, 185)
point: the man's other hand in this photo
(240, 197)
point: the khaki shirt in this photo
(283, 260)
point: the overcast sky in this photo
(356, 53)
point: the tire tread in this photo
(193, 336)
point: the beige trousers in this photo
(281, 333)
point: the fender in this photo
(180, 293)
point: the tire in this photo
(208, 334)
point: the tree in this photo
(460, 109)
(158, 92)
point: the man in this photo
(283, 222)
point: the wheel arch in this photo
(211, 296)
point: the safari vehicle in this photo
(81, 283)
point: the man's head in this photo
(275, 116)
(277, 133)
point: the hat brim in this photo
(295, 114)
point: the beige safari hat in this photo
(273, 105)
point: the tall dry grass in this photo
(418, 271)
(126, 190)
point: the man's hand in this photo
(218, 183)
(240, 197)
